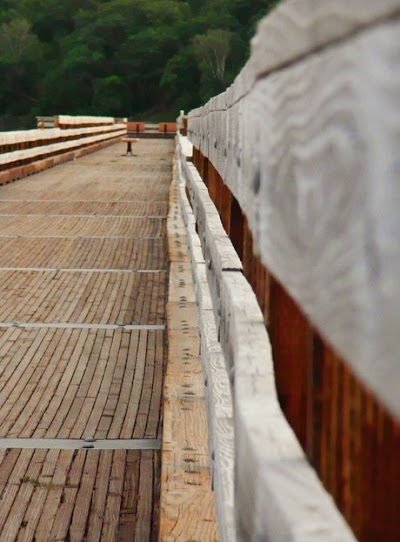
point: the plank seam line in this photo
(334, 42)
(66, 325)
(83, 270)
(77, 444)
(89, 201)
(21, 215)
(79, 237)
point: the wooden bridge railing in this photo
(28, 151)
(301, 158)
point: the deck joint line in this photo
(132, 237)
(67, 325)
(83, 270)
(122, 201)
(22, 215)
(80, 444)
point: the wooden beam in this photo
(187, 501)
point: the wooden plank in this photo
(83, 501)
(144, 511)
(114, 495)
(19, 137)
(99, 501)
(36, 153)
(130, 497)
(218, 391)
(187, 501)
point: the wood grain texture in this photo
(270, 466)
(72, 226)
(187, 509)
(218, 391)
(298, 27)
(312, 158)
(78, 495)
(60, 383)
(217, 248)
(43, 136)
(36, 153)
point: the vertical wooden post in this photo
(196, 158)
(236, 227)
(184, 130)
(213, 181)
(226, 202)
(291, 340)
(248, 254)
(201, 164)
(317, 401)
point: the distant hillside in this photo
(119, 57)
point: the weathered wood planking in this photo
(52, 134)
(76, 226)
(68, 121)
(36, 153)
(311, 154)
(270, 466)
(81, 381)
(66, 185)
(89, 253)
(27, 152)
(218, 392)
(297, 28)
(130, 209)
(187, 509)
(217, 248)
(59, 383)
(90, 297)
(79, 495)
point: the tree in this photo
(212, 51)
(134, 57)
(20, 55)
(18, 44)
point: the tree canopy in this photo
(136, 58)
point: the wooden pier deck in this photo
(83, 285)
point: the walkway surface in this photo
(83, 285)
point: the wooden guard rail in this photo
(28, 151)
(300, 157)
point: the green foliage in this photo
(119, 57)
